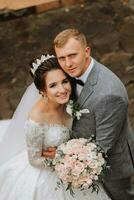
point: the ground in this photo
(108, 25)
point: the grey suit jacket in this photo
(106, 98)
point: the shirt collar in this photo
(84, 76)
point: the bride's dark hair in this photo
(41, 72)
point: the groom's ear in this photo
(88, 51)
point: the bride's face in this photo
(58, 87)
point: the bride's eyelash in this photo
(52, 85)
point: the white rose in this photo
(69, 110)
(78, 115)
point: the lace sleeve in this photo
(34, 141)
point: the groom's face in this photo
(73, 57)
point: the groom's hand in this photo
(49, 152)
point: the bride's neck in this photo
(56, 113)
(55, 107)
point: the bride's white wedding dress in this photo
(20, 180)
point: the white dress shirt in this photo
(84, 76)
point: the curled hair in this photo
(42, 70)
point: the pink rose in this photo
(78, 168)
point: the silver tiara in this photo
(40, 61)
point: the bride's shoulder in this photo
(37, 112)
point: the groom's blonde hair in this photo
(62, 38)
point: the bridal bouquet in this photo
(79, 163)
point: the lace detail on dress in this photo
(41, 136)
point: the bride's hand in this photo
(49, 152)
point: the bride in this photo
(23, 175)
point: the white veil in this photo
(13, 141)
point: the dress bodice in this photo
(51, 134)
(41, 136)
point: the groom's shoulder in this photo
(105, 70)
(108, 80)
(102, 66)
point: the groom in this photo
(106, 98)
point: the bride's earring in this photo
(44, 96)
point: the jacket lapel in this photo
(89, 85)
